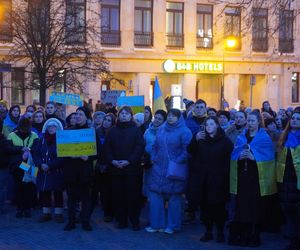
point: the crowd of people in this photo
(239, 168)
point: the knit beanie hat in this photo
(52, 122)
(3, 102)
(85, 111)
(24, 124)
(188, 103)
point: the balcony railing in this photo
(175, 40)
(286, 45)
(204, 42)
(260, 44)
(143, 39)
(111, 38)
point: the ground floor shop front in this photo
(250, 82)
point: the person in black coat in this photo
(124, 147)
(79, 175)
(102, 181)
(209, 176)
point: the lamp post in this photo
(230, 43)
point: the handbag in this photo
(176, 171)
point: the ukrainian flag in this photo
(159, 102)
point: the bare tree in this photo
(57, 39)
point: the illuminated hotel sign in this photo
(171, 66)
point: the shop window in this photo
(76, 21)
(260, 30)
(175, 38)
(295, 88)
(18, 86)
(204, 26)
(143, 35)
(110, 23)
(233, 25)
(286, 23)
(5, 21)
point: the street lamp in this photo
(230, 43)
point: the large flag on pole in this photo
(159, 102)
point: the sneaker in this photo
(59, 218)
(169, 231)
(152, 230)
(44, 218)
(207, 237)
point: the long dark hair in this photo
(284, 134)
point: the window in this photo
(110, 23)
(175, 25)
(143, 23)
(295, 88)
(260, 30)
(76, 21)
(5, 21)
(233, 25)
(286, 21)
(39, 19)
(17, 86)
(204, 26)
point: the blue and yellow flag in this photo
(263, 150)
(159, 102)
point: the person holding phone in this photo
(252, 181)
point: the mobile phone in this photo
(201, 128)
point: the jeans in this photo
(159, 217)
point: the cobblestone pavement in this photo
(26, 233)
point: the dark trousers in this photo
(213, 214)
(103, 184)
(46, 198)
(25, 192)
(126, 193)
(79, 192)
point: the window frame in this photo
(282, 41)
(144, 33)
(21, 88)
(239, 37)
(116, 33)
(204, 13)
(175, 35)
(74, 31)
(256, 40)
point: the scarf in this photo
(293, 139)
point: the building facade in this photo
(196, 49)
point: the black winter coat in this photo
(288, 192)
(209, 169)
(125, 142)
(4, 158)
(78, 170)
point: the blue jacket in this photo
(171, 143)
(52, 180)
(149, 138)
(193, 124)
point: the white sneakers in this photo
(161, 230)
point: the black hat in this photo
(24, 123)
(188, 103)
(85, 111)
